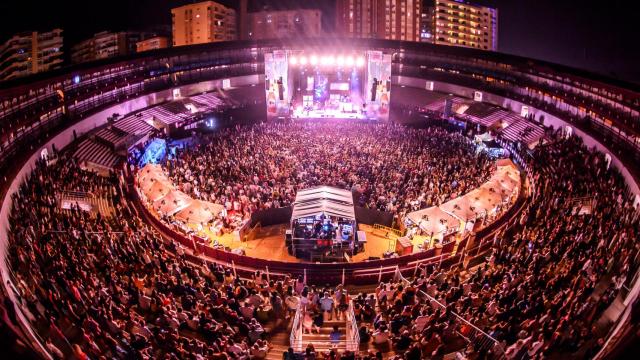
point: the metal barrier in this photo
(393, 231)
(295, 340)
(464, 328)
(353, 335)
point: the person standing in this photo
(326, 305)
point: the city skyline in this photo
(553, 31)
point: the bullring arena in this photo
(403, 201)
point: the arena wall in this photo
(67, 136)
(99, 119)
(516, 106)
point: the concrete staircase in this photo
(321, 341)
(279, 340)
(95, 203)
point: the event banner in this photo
(276, 69)
(378, 88)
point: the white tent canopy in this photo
(160, 191)
(502, 187)
(323, 199)
(172, 202)
(461, 207)
(434, 220)
(157, 189)
(199, 212)
(484, 200)
(149, 171)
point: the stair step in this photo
(328, 331)
(331, 323)
(321, 337)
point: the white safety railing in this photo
(471, 333)
(295, 340)
(353, 335)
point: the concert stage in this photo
(300, 113)
(269, 244)
(343, 85)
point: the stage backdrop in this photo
(276, 67)
(283, 216)
(378, 84)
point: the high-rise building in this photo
(382, 19)
(203, 22)
(357, 18)
(448, 22)
(243, 33)
(31, 52)
(428, 21)
(152, 43)
(284, 24)
(462, 24)
(106, 44)
(401, 19)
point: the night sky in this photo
(600, 37)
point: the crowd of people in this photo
(545, 286)
(112, 287)
(390, 167)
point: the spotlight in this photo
(340, 60)
(303, 60)
(350, 61)
(324, 61)
(313, 60)
(293, 60)
(331, 60)
(360, 62)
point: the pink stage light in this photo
(350, 61)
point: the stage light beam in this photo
(340, 60)
(293, 60)
(360, 62)
(350, 61)
(303, 60)
(313, 60)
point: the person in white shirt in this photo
(292, 302)
(326, 305)
(421, 321)
(513, 350)
(536, 346)
(236, 349)
(308, 324)
(259, 352)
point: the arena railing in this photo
(353, 335)
(471, 333)
(357, 273)
(295, 340)
(396, 232)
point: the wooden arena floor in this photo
(269, 244)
